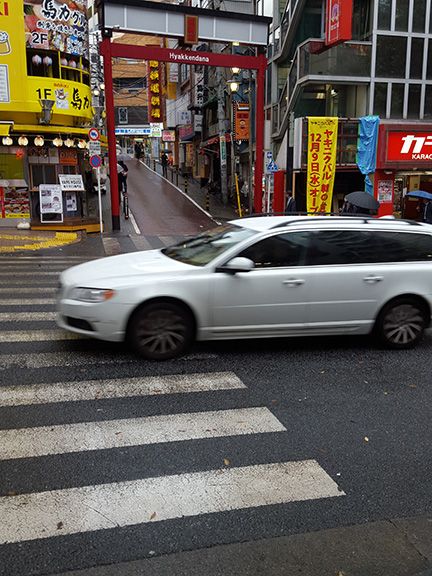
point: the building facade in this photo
(45, 109)
(384, 69)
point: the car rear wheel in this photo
(401, 323)
(161, 330)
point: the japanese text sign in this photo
(154, 97)
(321, 163)
(338, 26)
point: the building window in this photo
(429, 63)
(380, 99)
(416, 69)
(402, 11)
(391, 57)
(414, 101)
(384, 14)
(397, 100)
(130, 84)
(428, 102)
(419, 15)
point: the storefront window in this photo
(397, 100)
(11, 166)
(416, 69)
(384, 14)
(380, 99)
(402, 11)
(391, 57)
(419, 14)
(428, 102)
(414, 101)
(429, 63)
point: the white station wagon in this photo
(259, 277)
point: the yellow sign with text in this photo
(321, 163)
(23, 84)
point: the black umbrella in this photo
(363, 200)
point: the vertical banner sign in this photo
(321, 163)
(338, 26)
(241, 121)
(154, 97)
(222, 150)
(190, 29)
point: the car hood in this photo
(125, 267)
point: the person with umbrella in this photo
(361, 203)
(425, 208)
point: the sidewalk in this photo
(398, 547)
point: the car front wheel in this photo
(161, 330)
(401, 323)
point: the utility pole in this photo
(222, 137)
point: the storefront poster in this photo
(385, 191)
(51, 201)
(168, 136)
(51, 25)
(14, 203)
(321, 163)
(71, 202)
(71, 182)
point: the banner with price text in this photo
(321, 163)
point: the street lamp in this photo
(234, 85)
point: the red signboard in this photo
(409, 147)
(338, 21)
(190, 29)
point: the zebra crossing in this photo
(73, 416)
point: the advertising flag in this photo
(321, 163)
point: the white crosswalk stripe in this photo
(37, 336)
(32, 516)
(26, 316)
(80, 429)
(41, 441)
(118, 388)
(26, 301)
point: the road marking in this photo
(111, 246)
(29, 290)
(142, 243)
(64, 359)
(134, 223)
(102, 435)
(26, 316)
(12, 283)
(26, 301)
(56, 273)
(118, 388)
(38, 336)
(90, 508)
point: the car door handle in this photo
(293, 282)
(373, 279)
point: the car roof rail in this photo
(324, 216)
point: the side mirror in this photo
(236, 265)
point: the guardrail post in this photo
(186, 184)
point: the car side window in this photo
(282, 250)
(339, 247)
(402, 247)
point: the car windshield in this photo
(203, 248)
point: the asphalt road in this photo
(361, 414)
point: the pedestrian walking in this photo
(122, 171)
(164, 162)
(291, 205)
(427, 211)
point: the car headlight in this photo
(92, 294)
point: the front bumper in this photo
(104, 320)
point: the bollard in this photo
(177, 177)
(154, 165)
(207, 201)
(186, 183)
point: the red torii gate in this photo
(111, 50)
